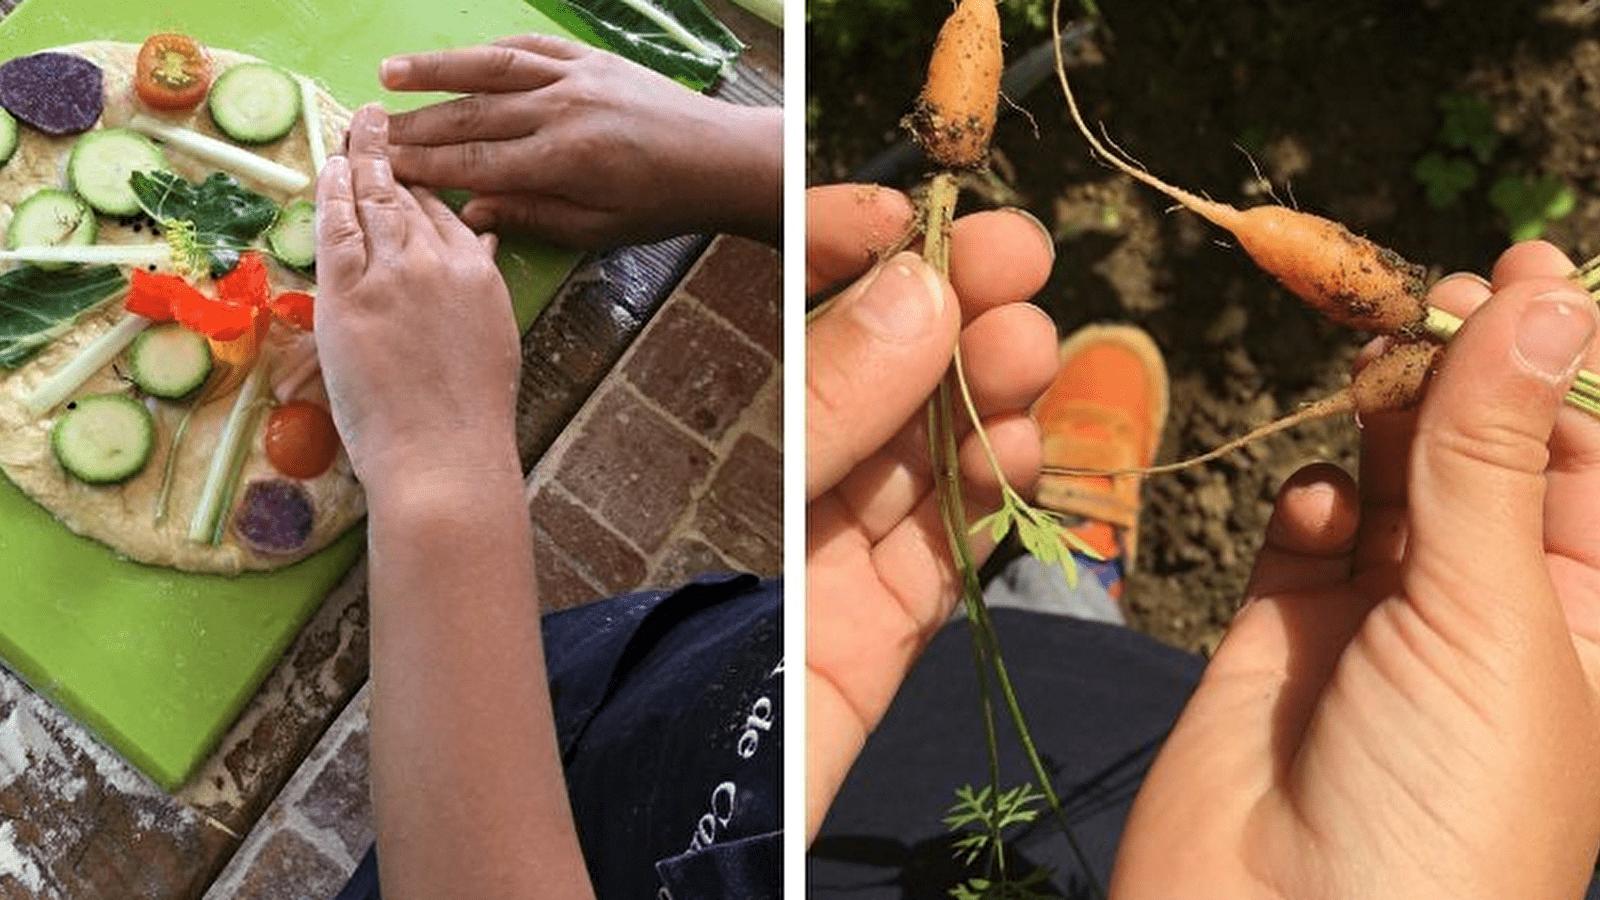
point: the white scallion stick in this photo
(311, 111)
(223, 457)
(93, 254)
(222, 154)
(91, 359)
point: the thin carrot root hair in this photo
(1393, 380)
(1332, 405)
(1345, 277)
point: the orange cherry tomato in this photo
(172, 72)
(301, 440)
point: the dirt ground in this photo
(1334, 103)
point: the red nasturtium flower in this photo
(295, 308)
(247, 284)
(243, 295)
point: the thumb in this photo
(872, 358)
(1477, 488)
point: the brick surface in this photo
(764, 417)
(634, 468)
(601, 554)
(741, 281)
(685, 558)
(324, 666)
(291, 868)
(70, 811)
(697, 369)
(742, 513)
(565, 353)
(338, 799)
(560, 585)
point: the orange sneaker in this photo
(1105, 410)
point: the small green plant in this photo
(1444, 178)
(1468, 125)
(980, 817)
(1470, 139)
(1530, 203)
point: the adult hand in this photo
(415, 328)
(1408, 705)
(583, 147)
(879, 576)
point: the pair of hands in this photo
(1409, 702)
(570, 143)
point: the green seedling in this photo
(1468, 133)
(1444, 178)
(1530, 203)
(1469, 125)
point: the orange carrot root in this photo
(954, 117)
(1348, 279)
(1394, 380)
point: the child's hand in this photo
(1408, 705)
(879, 579)
(583, 147)
(414, 324)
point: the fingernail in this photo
(337, 168)
(1473, 277)
(1553, 333)
(395, 70)
(377, 123)
(1044, 233)
(902, 301)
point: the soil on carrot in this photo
(1332, 108)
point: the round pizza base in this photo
(123, 516)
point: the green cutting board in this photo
(159, 663)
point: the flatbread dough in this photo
(122, 516)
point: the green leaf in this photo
(996, 523)
(37, 306)
(1469, 125)
(1444, 178)
(967, 848)
(678, 38)
(1529, 204)
(225, 215)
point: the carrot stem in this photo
(1588, 275)
(1584, 393)
(939, 213)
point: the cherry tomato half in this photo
(172, 72)
(301, 441)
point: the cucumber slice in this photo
(169, 361)
(293, 237)
(103, 162)
(51, 217)
(103, 438)
(255, 103)
(8, 136)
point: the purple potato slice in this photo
(275, 517)
(57, 93)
